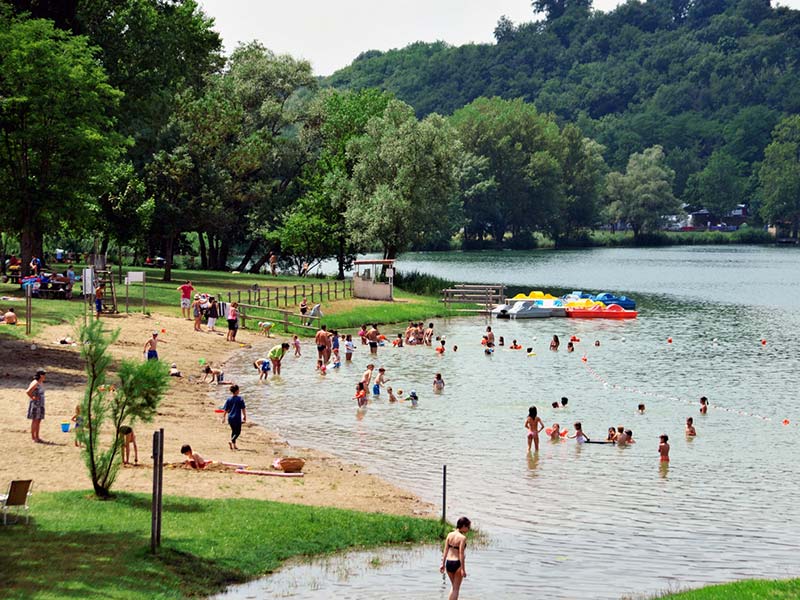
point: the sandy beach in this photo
(187, 416)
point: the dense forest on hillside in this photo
(701, 78)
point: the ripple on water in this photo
(579, 521)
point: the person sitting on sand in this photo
(193, 459)
(174, 371)
(10, 317)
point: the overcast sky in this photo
(331, 33)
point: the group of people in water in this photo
(619, 435)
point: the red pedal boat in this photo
(613, 311)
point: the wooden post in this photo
(239, 296)
(285, 296)
(295, 295)
(285, 321)
(312, 293)
(229, 297)
(329, 291)
(249, 299)
(28, 308)
(155, 509)
(444, 494)
(127, 297)
(160, 483)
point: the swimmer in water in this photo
(579, 436)
(438, 383)
(703, 405)
(555, 405)
(597, 343)
(455, 348)
(555, 343)
(641, 409)
(663, 448)
(534, 425)
(622, 437)
(555, 433)
(361, 394)
(392, 397)
(564, 401)
(570, 347)
(690, 431)
(612, 434)
(629, 435)
(501, 341)
(530, 351)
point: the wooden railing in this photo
(484, 295)
(277, 316)
(290, 295)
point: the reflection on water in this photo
(592, 521)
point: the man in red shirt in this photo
(186, 299)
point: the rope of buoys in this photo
(649, 394)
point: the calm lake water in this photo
(577, 521)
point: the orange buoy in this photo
(669, 340)
(786, 421)
(763, 342)
(583, 358)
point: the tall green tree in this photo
(720, 186)
(57, 127)
(342, 117)
(779, 176)
(642, 196)
(522, 147)
(406, 177)
(243, 145)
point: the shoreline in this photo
(187, 416)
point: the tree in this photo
(242, 145)
(342, 117)
(721, 186)
(406, 181)
(581, 171)
(779, 176)
(107, 407)
(642, 196)
(508, 133)
(305, 235)
(57, 130)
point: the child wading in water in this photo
(438, 383)
(453, 559)
(361, 394)
(349, 346)
(663, 448)
(690, 431)
(579, 436)
(703, 405)
(534, 425)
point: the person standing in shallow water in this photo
(534, 425)
(453, 556)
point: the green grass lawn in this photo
(743, 590)
(163, 297)
(79, 547)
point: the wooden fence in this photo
(277, 316)
(290, 295)
(484, 295)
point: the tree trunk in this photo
(104, 245)
(340, 257)
(213, 256)
(224, 250)
(27, 247)
(251, 249)
(259, 263)
(203, 256)
(169, 244)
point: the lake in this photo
(576, 521)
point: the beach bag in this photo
(289, 465)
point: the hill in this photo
(701, 78)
